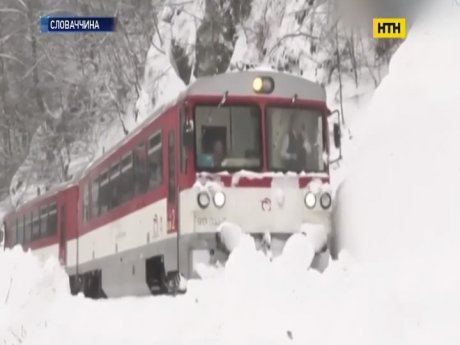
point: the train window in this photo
(140, 169)
(126, 179)
(295, 132)
(20, 237)
(114, 186)
(27, 228)
(86, 203)
(62, 232)
(171, 167)
(35, 225)
(183, 149)
(104, 193)
(93, 207)
(155, 159)
(228, 137)
(43, 221)
(52, 220)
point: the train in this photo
(142, 217)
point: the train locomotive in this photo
(144, 215)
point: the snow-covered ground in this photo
(399, 208)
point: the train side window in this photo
(126, 179)
(104, 193)
(171, 167)
(20, 237)
(155, 158)
(43, 221)
(140, 169)
(52, 220)
(35, 225)
(62, 229)
(114, 186)
(183, 149)
(94, 208)
(86, 203)
(27, 228)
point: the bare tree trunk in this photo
(339, 71)
(35, 76)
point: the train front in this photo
(259, 151)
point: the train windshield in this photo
(295, 139)
(228, 137)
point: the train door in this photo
(62, 236)
(172, 203)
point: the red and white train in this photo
(148, 211)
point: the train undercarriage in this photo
(155, 275)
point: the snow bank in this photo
(29, 291)
(399, 205)
(404, 181)
(400, 200)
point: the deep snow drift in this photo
(400, 203)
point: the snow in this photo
(230, 235)
(290, 175)
(397, 209)
(29, 292)
(206, 183)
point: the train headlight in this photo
(219, 199)
(257, 84)
(310, 200)
(326, 200)
(203, 199)
(263, 84)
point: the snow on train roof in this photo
(235, 83)
(240, 83)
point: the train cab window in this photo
(126, 179)
(93, 207)
(228, 137)
(295, 139)
(20, 237)
(155, 161)
(27, 228)
(52, 220)
(140, 169)
(43, 221)
(35, 225)
(104, 193)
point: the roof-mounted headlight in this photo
(263, 84)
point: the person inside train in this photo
(295, 146)
(218, 153)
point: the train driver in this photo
(218, 153)
(295, 146)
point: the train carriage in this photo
(45, 224)
(148, 211)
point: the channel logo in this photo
(389, 27)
